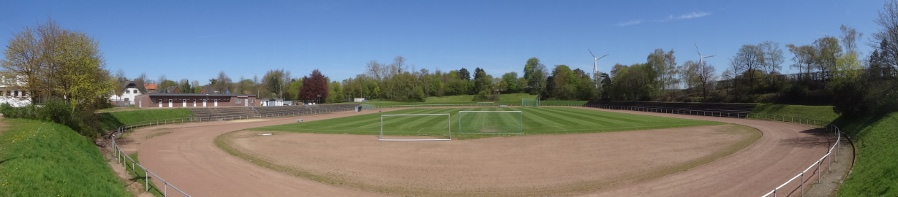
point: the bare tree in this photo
(849, 38)
(773, 56)
(888, 20)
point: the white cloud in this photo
(629, 23)
(691, 15)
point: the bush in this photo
(82, 120)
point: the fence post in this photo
(146, 179)
(818, 170)
(801, 183)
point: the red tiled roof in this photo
(151, 86)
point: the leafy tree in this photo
(510, 83)
(464, 74)
(314, 87)
(224, 83)
(275, 82)
(59, 63)
(185, 87)
(535, 74)
(665, 65)
(564, 82)
(293, 89)
(482, 81)
(335, 89)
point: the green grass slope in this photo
(48, 159)
(875, 172)
(112, 120)
(543, 120)
(819, 113)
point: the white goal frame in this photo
(448, 131)
(535, 102)
(482, 104)
(521, 118)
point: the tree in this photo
(803, 58)
(314, 87)
(59, 63)
(336, 90)
(665, 65)
(482, 82)
(747, 61)
(772, 57)
(564, 83)
(223, 83)
(698, 76)
(140, 81)
(185, 87)
(827, 53)
(275, 81)
(121, 80)
(888, 20)
(294, 87)
(510, 79)
(535, 74)
(463, 74)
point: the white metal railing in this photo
(123, 158)
(713, 113)
(807, 174)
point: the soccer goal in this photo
(483, 104)
(530, 102)
(491, 122)
(415, 127)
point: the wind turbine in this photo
(700, 57)
(701, 67)
(595, 67)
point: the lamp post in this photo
(319, 100)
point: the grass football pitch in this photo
(543, 120)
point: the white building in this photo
(12, 94)
(127, 95)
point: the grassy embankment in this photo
(48, 159)
(875, 172)
(822, 114)
(115, 119)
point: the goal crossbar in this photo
(448, 124)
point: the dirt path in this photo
(189, 158)
(785, 150)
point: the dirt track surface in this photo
(189, 158)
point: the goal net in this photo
(481, 104)
(491, 122)
(529, 102)
(415, 127)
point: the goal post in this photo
(530, 102)
(415, 127)
(491, 122)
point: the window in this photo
(135, 91)
(238, 101)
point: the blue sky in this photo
(197, 39)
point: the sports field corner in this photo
(699, 160)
